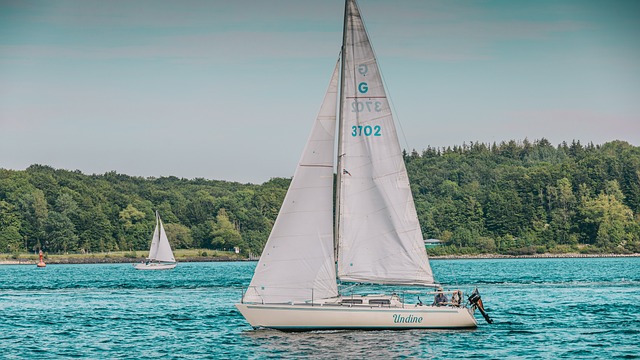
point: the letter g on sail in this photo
(363, 88)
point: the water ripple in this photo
(543, 308)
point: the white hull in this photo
(155, 266)
(299, 317)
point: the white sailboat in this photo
(375, 236)
(160, 254)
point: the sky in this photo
(228, 90)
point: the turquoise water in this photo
(543, 308)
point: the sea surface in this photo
(543, 308)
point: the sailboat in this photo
(366, 231)
(160, 254)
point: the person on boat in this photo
(455, 298)
(440, 298)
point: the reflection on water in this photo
(337, 344)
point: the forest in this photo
(515, 197)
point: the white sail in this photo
(155, 240)
(379, 239)
(162, 249)
(297, 262)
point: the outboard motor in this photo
(476, 301)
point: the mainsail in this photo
(379, 236)
(297, 262)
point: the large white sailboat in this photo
(160, 254)
(375, 236)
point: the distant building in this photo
(432, 242)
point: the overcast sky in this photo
(228, 90)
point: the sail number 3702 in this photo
(366, 130)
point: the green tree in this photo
(179, 236)
(225, 235)
(34, 210)
(611, 217)
(60, 233)
(137, 233)
(562, 213)
(96, 232)
(10, 239)
(504, 213)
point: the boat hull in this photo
(304, 317)
(155, 266)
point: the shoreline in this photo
(125, 260)
(110, 260)
(535, 256)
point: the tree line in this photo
(511, 198)
(63, 211)
(526, 198)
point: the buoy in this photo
(41, 263)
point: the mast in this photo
(336, 232)
(160, 227)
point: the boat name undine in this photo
(399, 319)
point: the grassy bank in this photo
(181, 255)
(534, 256)
(201, 255)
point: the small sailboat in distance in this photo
(365, 232)
(160, 254)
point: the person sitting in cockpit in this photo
(456, 297)
(440, 299)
